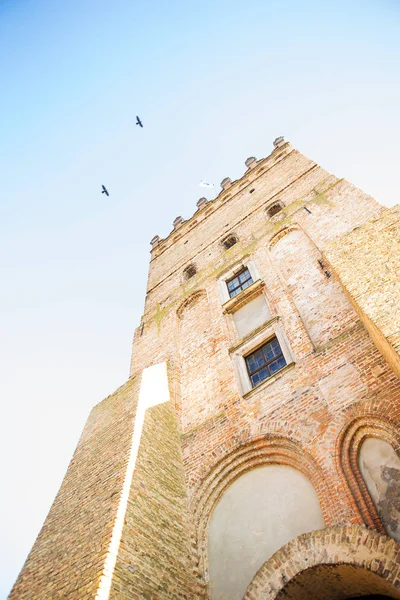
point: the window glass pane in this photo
(244, 275)
(232, 284)
(246, 284)
(263, 374)
(259, 376)
(275, 345)
(255, 379)
(278, 364)
(258, 358)
(251, 363)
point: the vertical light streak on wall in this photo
(153, 390)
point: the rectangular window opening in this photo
(265, 362)
(239, 282)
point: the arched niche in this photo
(365, 465)
(257, 514)
(379, 465)
(317, 295)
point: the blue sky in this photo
(214, 82)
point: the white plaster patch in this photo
(251, 315)
(259, 513)
(380, 467)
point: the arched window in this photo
(274, 209)
(229, 241)
(189, 272)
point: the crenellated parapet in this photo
(229, 189)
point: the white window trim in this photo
(223, 288)
(273, 328)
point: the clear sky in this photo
(214, 82)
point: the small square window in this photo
(239, 282)
(265, 361)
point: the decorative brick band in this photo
(256, 453)
(354, 545)
(347, 452)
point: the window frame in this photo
(241, 285)
(266, 361)
(272, 328)
(222, 285)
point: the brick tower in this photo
(254, 452)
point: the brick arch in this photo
(284, 231)
(262, 451)
(191, 299)
(347, 451)
(353, 545)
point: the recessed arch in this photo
(189, 301)
(261, 451)
(280, 234)
(348, 448)
(260, 511)
(355, 546)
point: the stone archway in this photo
(341, 562)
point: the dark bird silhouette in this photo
(138, 121)
(105, 190)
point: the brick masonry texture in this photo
(67, 559)
(367, 262)
(338, 388)
(155, 559)
(350, 562)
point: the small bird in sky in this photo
(138, 121)
(105, 190)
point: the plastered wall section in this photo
(68, 557)
(154, 559)
(367, 262)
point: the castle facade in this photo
(254, 451)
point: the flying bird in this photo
(138, 121)
(105, 190)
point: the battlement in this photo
(254, 169)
